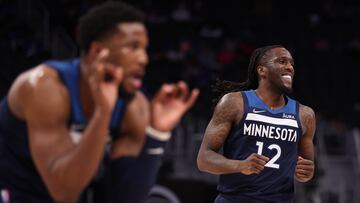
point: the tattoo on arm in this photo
(306, 148)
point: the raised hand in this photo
(170, 104)
(304, 169)
(104, 81)
(255, 163)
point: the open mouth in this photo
(287, 78)
(136, 80)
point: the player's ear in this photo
(261, 70)
(95, 48)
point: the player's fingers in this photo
(305, 167)
(100, 64)
(101, 56)
(193, 96)
(96, 77)
(119, 73)
(166, 90)
(113, 74)
(262, 157)
(309, 166)
(260, 162)
(97, 74)
(303, 176)
(182, 90)
(305, 162)
(255, 170)
(97, 70)
(100, 71)
(259, 167)
(304, 171)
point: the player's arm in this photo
(66, 168)
(162, 115)
(227, 113)
(305, 166)
(45, 106)
(138, 174)
(133, 125)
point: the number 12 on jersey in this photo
(271, 163)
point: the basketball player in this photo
(267, 137)
(68, 128)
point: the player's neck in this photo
(272, 99)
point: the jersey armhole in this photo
(297, 106)
(245, 109)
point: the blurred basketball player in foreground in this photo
(81, 130)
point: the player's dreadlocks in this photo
(223, 87)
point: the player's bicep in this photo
(306, 147)
(46, 110)
(136, 117)
(132, 128)
(225, 115)
(47, 144)
(215, 134)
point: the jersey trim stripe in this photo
(271, 120)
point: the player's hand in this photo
(170, 104)
(304, 169)
(104, 81)
(254, 164)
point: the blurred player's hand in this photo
(104, 81)
(170, 104)
(304, 170)
(254, 164)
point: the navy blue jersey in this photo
(18, 175)
(272, 133)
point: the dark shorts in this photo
(242, 199)
(238, 199)
(9, 196)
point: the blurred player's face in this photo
(128, 50)
(281, 69)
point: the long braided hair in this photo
(223, 87)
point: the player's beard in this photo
(287, 90)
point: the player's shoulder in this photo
(230, 107)
(42, 81)
(306, 111)
(39, 84)
(41, 76)
(307, 116)
(231, 99)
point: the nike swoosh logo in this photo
(155, 151)
(258, 111)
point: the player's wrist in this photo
(101, 116)
(103, 111)
(157, 134)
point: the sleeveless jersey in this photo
(18, 173)
(272, 133)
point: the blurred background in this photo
(199, 41)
